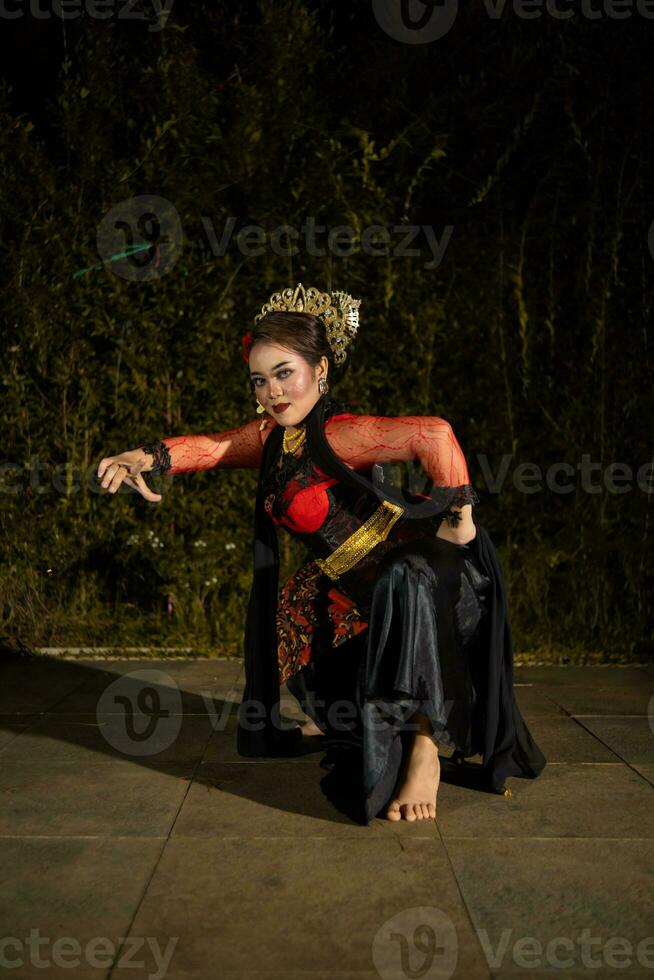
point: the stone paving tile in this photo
(589, 677)
(634, 973)
(71, 799)
(603, 697)
(567, 739)
(100, 688)
(34, 686)
(305, 905)
(632, 739)
(80, 687)
(534, 702)
(601, 690)
(305, 975)
(93, 738)
(566, 800)
(646, 770)
(549, 858)
(84, 889)
(581, 702)
(195, 676)
(554, 889)
(278, 799)
(11, 725)
(308, 974)
(218, 665)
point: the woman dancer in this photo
(395, 636)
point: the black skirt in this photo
(427, 603)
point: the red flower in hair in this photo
(247, 343)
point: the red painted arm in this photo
(363, 440)
(238, 447)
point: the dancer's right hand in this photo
(128, 467)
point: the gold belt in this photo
(361, 541)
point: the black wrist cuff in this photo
(160, 456)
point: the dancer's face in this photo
(281, 376)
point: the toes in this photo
(410, 811)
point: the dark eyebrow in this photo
(253, 373)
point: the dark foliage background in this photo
(530, 138)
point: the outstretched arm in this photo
(363, 440)
(238, 447)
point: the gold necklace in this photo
(292, 442)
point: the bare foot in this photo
(310, 728)
(416, 799)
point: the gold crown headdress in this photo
(338, 311)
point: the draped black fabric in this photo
(506, 745)
(423, 652)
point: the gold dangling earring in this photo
(323, 386)
(264, 422)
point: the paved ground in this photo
(162, 847)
